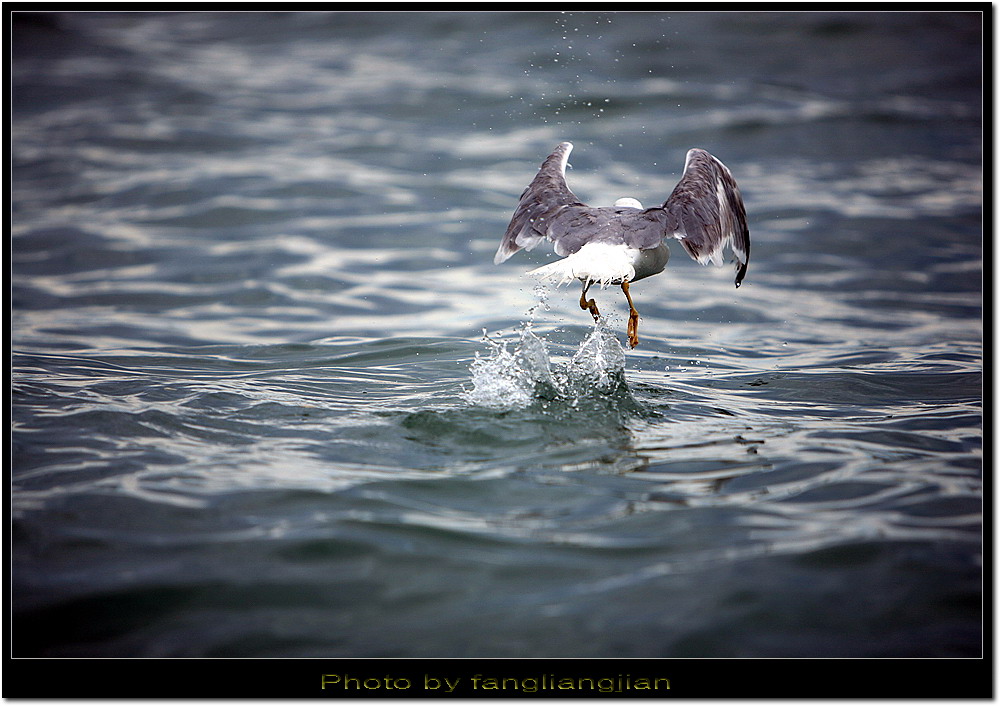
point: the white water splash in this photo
(509, 380)
(600, 359)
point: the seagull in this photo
(625, 243)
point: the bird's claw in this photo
(590, 305)
(633, 329)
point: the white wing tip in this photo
(691, 153)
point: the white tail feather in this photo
(595, 262)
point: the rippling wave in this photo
(271, 398)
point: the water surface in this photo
(272, 398)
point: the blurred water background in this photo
(254, 411)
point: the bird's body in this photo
(605, 263)
(624, 243)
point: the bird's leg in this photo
(633, 318)
(589, 303)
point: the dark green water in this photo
(254, 414)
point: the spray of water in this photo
(509, 379)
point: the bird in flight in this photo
(625, 242)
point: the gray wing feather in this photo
(575, 226)
(705, 212)
(549, 210)
(544, 199)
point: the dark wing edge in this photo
(544, 198)
(705, 212)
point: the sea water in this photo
(254, 412)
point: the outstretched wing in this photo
(705, 212)
(546, 196)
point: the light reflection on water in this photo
(251, 270)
